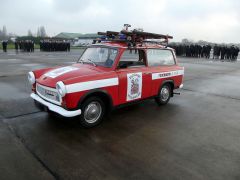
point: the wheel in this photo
(93, 110)
(164, 95)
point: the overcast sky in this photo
(211, 20)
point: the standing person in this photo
(223, 52)
(236, 53)
(232, 52)
(41, 45)
(4, 45)
(16, 45)
(208, 51)
(68, 46)
(203, 53)
(215, 51)
(228, 53)
(199, 51)
(33, 46)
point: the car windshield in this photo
(99, 56)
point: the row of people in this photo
(25, 45)
(194, 50)
(45, 45)
(54, 45)
(225, 52)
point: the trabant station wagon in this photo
(119, 68)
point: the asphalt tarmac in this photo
(196, 136)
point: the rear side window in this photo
(132, 58)
(160, 57)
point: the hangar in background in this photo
(78, 39)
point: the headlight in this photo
(31, 77)
(61, 88)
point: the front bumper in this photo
(55, 108)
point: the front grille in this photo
(49, 94)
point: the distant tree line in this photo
(3, 33)
(41, 33)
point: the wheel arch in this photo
(170, 82)
(107, 99)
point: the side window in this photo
(158, 57)
(132, 58)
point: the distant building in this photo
(78, 38)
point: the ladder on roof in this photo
(132, 38)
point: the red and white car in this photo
(107, 75)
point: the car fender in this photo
(97, 92)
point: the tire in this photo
(164, 94)
(93, 111)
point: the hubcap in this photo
(92, 112)
(164, 94)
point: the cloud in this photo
(213, 20)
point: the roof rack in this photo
(133, 38)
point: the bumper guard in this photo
(56, 108)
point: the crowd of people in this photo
(45, 45)
(222, 52)
(197, 51)
(225, 52)
(26, 45)
(54, 45)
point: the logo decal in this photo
(134, 89)
(57, 72)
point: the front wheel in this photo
(93, 110)
(163, 95)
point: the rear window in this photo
(160, 57)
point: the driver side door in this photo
(134, 77)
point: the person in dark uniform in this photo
(228, 53)
(232, 51)
(208, 51)
(236, 53)
(16, 44)
(216, 52)
(68, 46)
(223, 52)
(4, 45)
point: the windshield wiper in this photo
(92, 62)
(81, 61)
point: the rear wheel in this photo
(93, 110)
(164, 95)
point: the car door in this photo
(134, 79)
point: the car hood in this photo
(51, 77)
